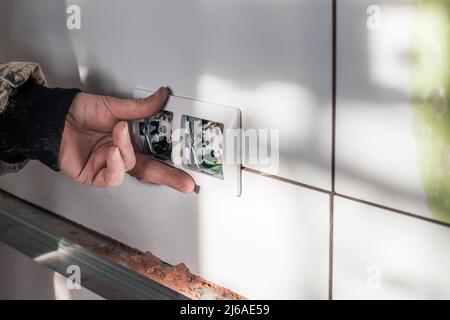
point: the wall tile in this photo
(379, 254)
(392, 138)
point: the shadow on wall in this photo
(50, 46)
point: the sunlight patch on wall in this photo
(390, 49)
(268, 105)
(430, 102)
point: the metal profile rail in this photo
(23, 227)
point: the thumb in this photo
(133, 109)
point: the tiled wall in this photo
(371, 224)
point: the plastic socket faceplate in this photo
(205, 140)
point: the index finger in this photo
(133, 109)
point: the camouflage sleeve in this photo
(32, 117)
(12, 76)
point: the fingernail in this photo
(125, 130)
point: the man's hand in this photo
(96, 147)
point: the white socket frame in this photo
(230, 117)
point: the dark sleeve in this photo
(32, 123)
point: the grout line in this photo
(285, 180)
(333, 144)
(333, 94)
(379, 206)
(331, 251)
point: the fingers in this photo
(122, 140)
(131, 109)
(113, 174)
(152, 171)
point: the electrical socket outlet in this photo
(201, 138)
